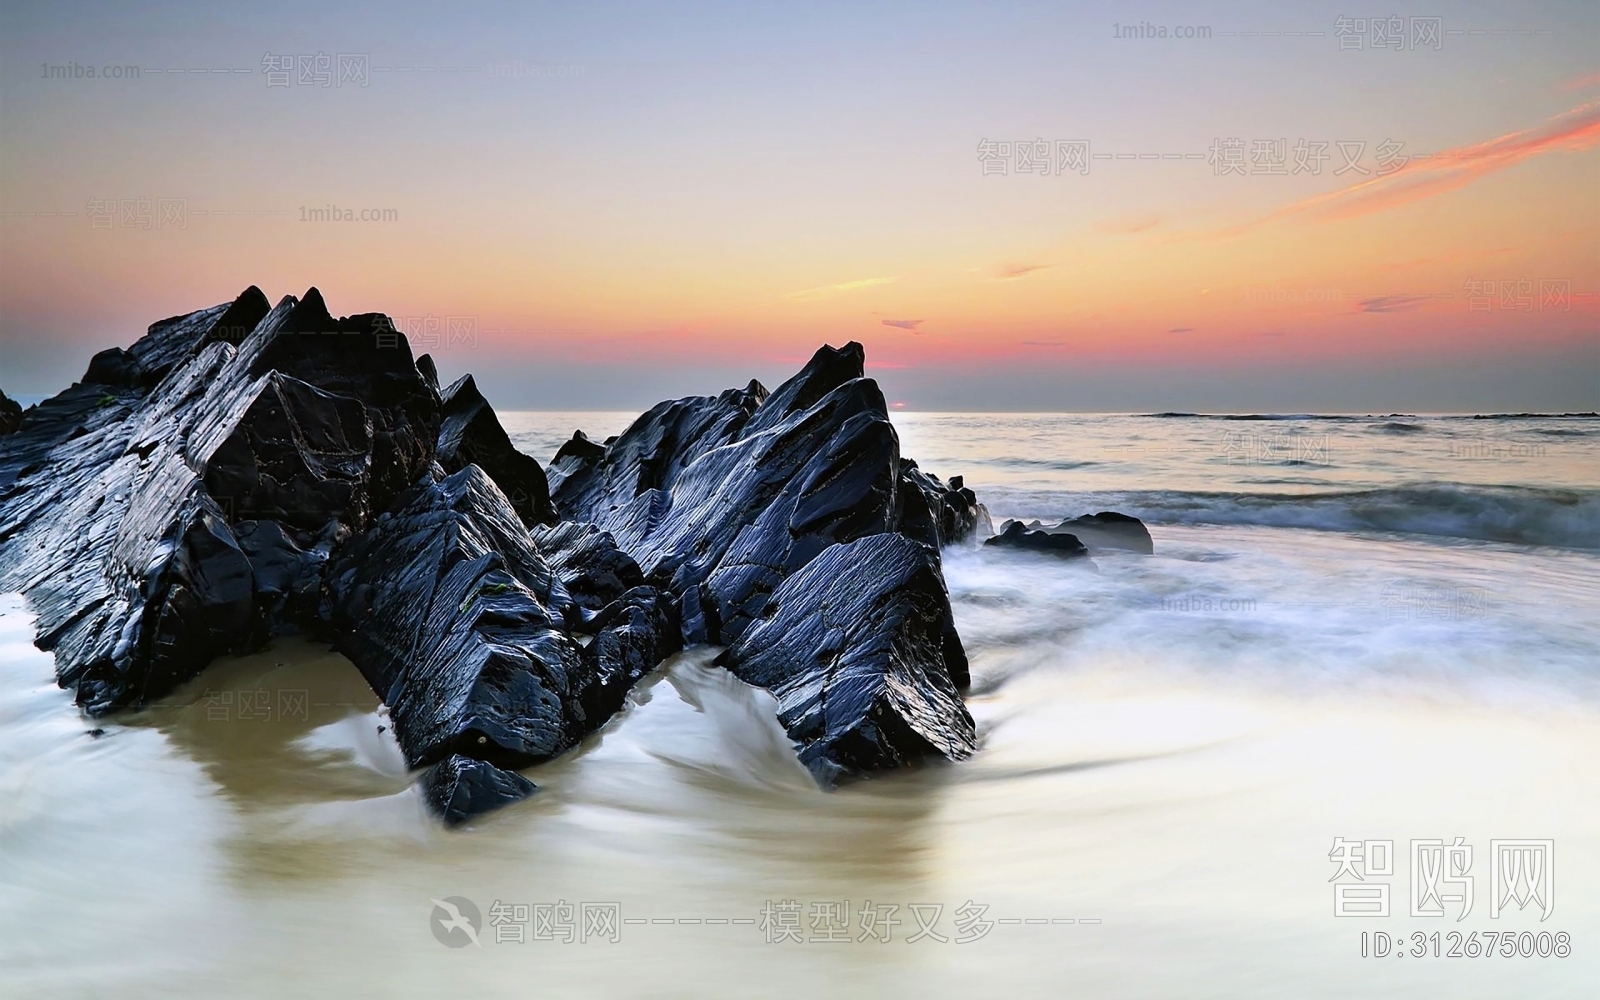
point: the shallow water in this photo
(1170, 746)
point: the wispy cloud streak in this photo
(1572, 131)
(839, 289)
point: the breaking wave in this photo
(1564, 518)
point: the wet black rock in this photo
(119, 504)
(465, 632)
(170, 342)
(470, 434)
(1015, 535)
(459, 788)
(1102, 532)
(588, 561)
(858, 649)
(953, 510)
(632, 635)
(242, 471)
(723, 499)
(118, 380)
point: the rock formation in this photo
(726, 500)
(246, 470)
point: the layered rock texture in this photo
(728, 501)
(250, 469)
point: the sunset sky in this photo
(597, 205)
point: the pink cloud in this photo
(1419, 178)
(1008, 271)
(1391, 303)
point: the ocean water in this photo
(1380, 629)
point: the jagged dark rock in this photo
(173, 341)
(1015, 535)
(459, 788)
(722, 499)
(588, 561)
(857, 648)
(580, 450)
(10, 414)
(952, 509)
(118, 505)
(632, 635)
(466, 633)
(244, 470)
(1102, 532)
(429, 371)
(470, 433)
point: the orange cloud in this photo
(1424, 177)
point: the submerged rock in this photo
(1014, 535)
(954, 510)
(459, 788)
(1105, 531)
(1111, 531)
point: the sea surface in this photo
(1355, 629)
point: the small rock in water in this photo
(459, 788)
(1102, 532)
(1109, 530)
(1014, 535)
